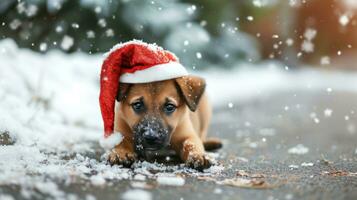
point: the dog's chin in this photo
(145, 150)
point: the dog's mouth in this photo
(142, 148)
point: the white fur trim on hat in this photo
(111, 141)
(159, 72)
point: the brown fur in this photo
(189, 122)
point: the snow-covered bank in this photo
(252, 81)
(49, 105)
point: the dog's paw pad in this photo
(199, 162)
(125, 159)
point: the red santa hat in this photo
(133, 62)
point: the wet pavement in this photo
(259, 138)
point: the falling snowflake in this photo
(198, 55)
(59, 29)
(328, 112)
(307, 46)
(344, 20)
(75, 25)
(67, 42)
(90, 34)
(310, 34)
(15, 24)
(102, 23)
(191, 9)
(325, 60)
(230, 105)
(43, 46)
(289, 42)
(109, 32)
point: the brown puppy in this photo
(174, 113)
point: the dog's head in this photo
(154, 110)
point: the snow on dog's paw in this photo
(199, 161)
(121, 158)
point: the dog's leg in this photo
(193, 153)
(123, 154)
(189, 146)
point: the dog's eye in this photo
(169, 108)
(138, 106)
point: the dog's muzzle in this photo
(150, 135)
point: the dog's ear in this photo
(123, 91)
(191, 89)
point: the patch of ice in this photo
(171, 181)
(299, 149)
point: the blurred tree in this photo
(188, 28)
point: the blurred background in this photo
(204, 34)
(279, 74)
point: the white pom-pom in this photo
(111, 141)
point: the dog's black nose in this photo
(150, 135)
(152, 139)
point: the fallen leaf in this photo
(336, 173)
(246, 174)
(247, 183)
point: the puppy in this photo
(173, 113)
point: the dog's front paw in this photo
(121, 157)
(198, 161)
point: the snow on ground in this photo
(49, 107)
